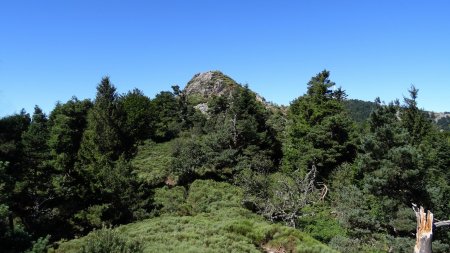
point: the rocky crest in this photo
(204, 86)
(211, 83)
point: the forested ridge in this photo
(214, 167)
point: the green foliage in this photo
(40, 245)
(168, 116)
(103, 138)
(12, 238)
(125, 158)
(209, 196)
(152, 162)
(190, 158)
(112, 197)
(33, 189)
(415, 120)
(107, 240)
(140, 116)
(11, 130)
(238, 136)
(223, 228)
(358, 110)
(318, 131)
(398, 164)
(320, 223)
(67, 123)
(204, 196)
(171, 200)
(107, 190)
(444, 123)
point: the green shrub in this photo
(40, 245)
(171, 200)
(152, 162)
(208, 195)
(107, 240)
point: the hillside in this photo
(215, 223)
(213, 167)
(360, 111)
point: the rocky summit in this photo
(211, 83)
(206, 85)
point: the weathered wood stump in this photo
(424, 234)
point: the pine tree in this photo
(33, 189)
(67, 123)
(414, 119)
(103, 138)
(107, 190)
(319, 132)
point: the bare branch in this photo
(442, 223)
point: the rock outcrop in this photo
(204, 86)
(211, 83)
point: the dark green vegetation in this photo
(444, 122)
(207, 218)
(214, 168)
(359, 110)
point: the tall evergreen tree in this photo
(67, 122)
(414, 119)
(13, 235)
(11, 130)
(103, 138)
(108, 189)
(33, 190)
(319, 132)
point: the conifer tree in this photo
(103, 138)
(107, 191)
(33, 189)
(67, 124)
(319, 132)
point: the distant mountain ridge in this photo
(360, 110)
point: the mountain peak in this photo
(210, 83)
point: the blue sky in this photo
(52, 50)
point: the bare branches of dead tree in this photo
(291, 196)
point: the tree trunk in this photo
(424, 234)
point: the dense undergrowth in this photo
(210, 219)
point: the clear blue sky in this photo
(52, 50)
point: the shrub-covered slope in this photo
(213, 221)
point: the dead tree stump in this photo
(424, 233)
